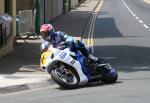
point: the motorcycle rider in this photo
(56, 38)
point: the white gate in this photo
(25, 24)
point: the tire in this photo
(110, 77)
(62, 83)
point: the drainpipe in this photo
(37, 16)
(44, 12)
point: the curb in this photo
(22, 87)
(147, 1)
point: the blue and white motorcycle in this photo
(71, 69)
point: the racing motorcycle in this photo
(71, 69)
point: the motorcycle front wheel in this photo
(66, 78)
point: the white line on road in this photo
(126, 5)
(145, 26)
(129, 9)
(141, 21)
(135, 15)
(132, 12)
(137, 18)
(1, 77)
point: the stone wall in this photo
(24, 5)
(7, 48)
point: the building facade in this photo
(24, 5)
(7, 7)
(49, 10)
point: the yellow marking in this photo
(92, 26)
(44, 57)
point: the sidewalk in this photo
(20, 69)
(74, 21)
(147, 1)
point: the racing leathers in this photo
(58, 37)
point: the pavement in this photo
(20, 69)
(147, 1)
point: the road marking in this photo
(141, 21)
(145, 26)
(1, 77)
(134, 15)
(131, 12)
(137, 18)
(109, 57)
(92, 25)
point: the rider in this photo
(55, 38)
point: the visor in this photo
(44, 35)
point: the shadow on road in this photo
(106, 27)
(126, 58)
(72, 23)
(101, 84)
(96, 84)
(24, 58)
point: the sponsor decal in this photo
(63, 55)
(72, 62)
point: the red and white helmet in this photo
(46, 28)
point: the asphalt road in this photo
(121, 38)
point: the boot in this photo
(92, 58)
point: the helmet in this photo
(47, 30)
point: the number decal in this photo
(63, 55)
(72, 62)
(44, 57)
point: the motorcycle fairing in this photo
(64, 56)
(84, 68)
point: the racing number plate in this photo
(44, 57)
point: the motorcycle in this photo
(71, 70)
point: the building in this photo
(7, 7)
(24, 5)
(49, 10)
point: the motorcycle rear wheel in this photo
(110, 77)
